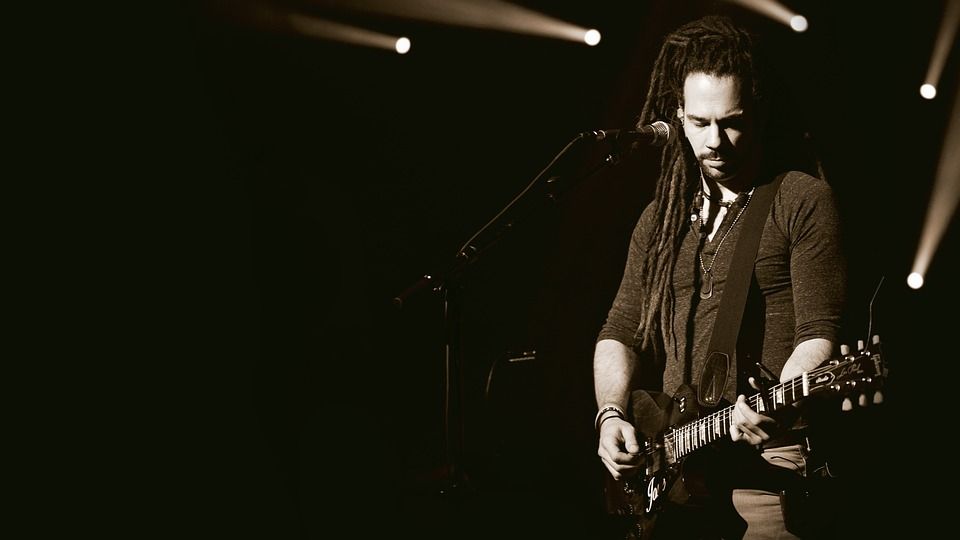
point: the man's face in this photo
(717, 124)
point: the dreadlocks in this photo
(711, 45)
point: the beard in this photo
(723, 173)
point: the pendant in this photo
(706, 287)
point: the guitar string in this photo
(690, 434)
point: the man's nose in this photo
(713, 136)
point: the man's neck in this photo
(728, 190)
(731, 187)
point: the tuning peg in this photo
(847, 405)
(860, 345)
(844, 349)
(878, 397)
(862, 400)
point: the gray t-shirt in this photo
(799, 270)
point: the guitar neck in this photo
(692, 436)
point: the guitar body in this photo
(673, 428)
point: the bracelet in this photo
(605, 418)
(605, 409)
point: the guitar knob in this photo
(878, 397)
(847, 405)
(862, 401)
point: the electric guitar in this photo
(673, 428)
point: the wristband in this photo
(605, 418)
(605, 409)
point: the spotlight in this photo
(403, 45)
(915, 280)
(928, 91)
(591, 37)
(798, 23)
(776, 11)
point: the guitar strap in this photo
(723, 343)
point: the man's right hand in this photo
(618, 448)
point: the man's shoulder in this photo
(798, 184)
(646, 221)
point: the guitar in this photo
(673, 428)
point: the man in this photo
(709, 82)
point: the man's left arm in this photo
(818, 276)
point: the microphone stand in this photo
(449, 285)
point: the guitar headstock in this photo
(859, 374)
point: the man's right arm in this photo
(615, 362)
(613, 367)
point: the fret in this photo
(779, 397)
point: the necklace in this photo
(706, 285)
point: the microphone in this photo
(655, 134)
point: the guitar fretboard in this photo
(694, 435)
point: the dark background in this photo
(303, 184)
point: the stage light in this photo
(591, 37)
(798, 23)
(942, 46)
(279, 19)
(776, 11)
(486, 14)
(915, 280)
(945, 195)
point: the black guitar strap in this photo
(723, 343)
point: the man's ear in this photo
(680, 114)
